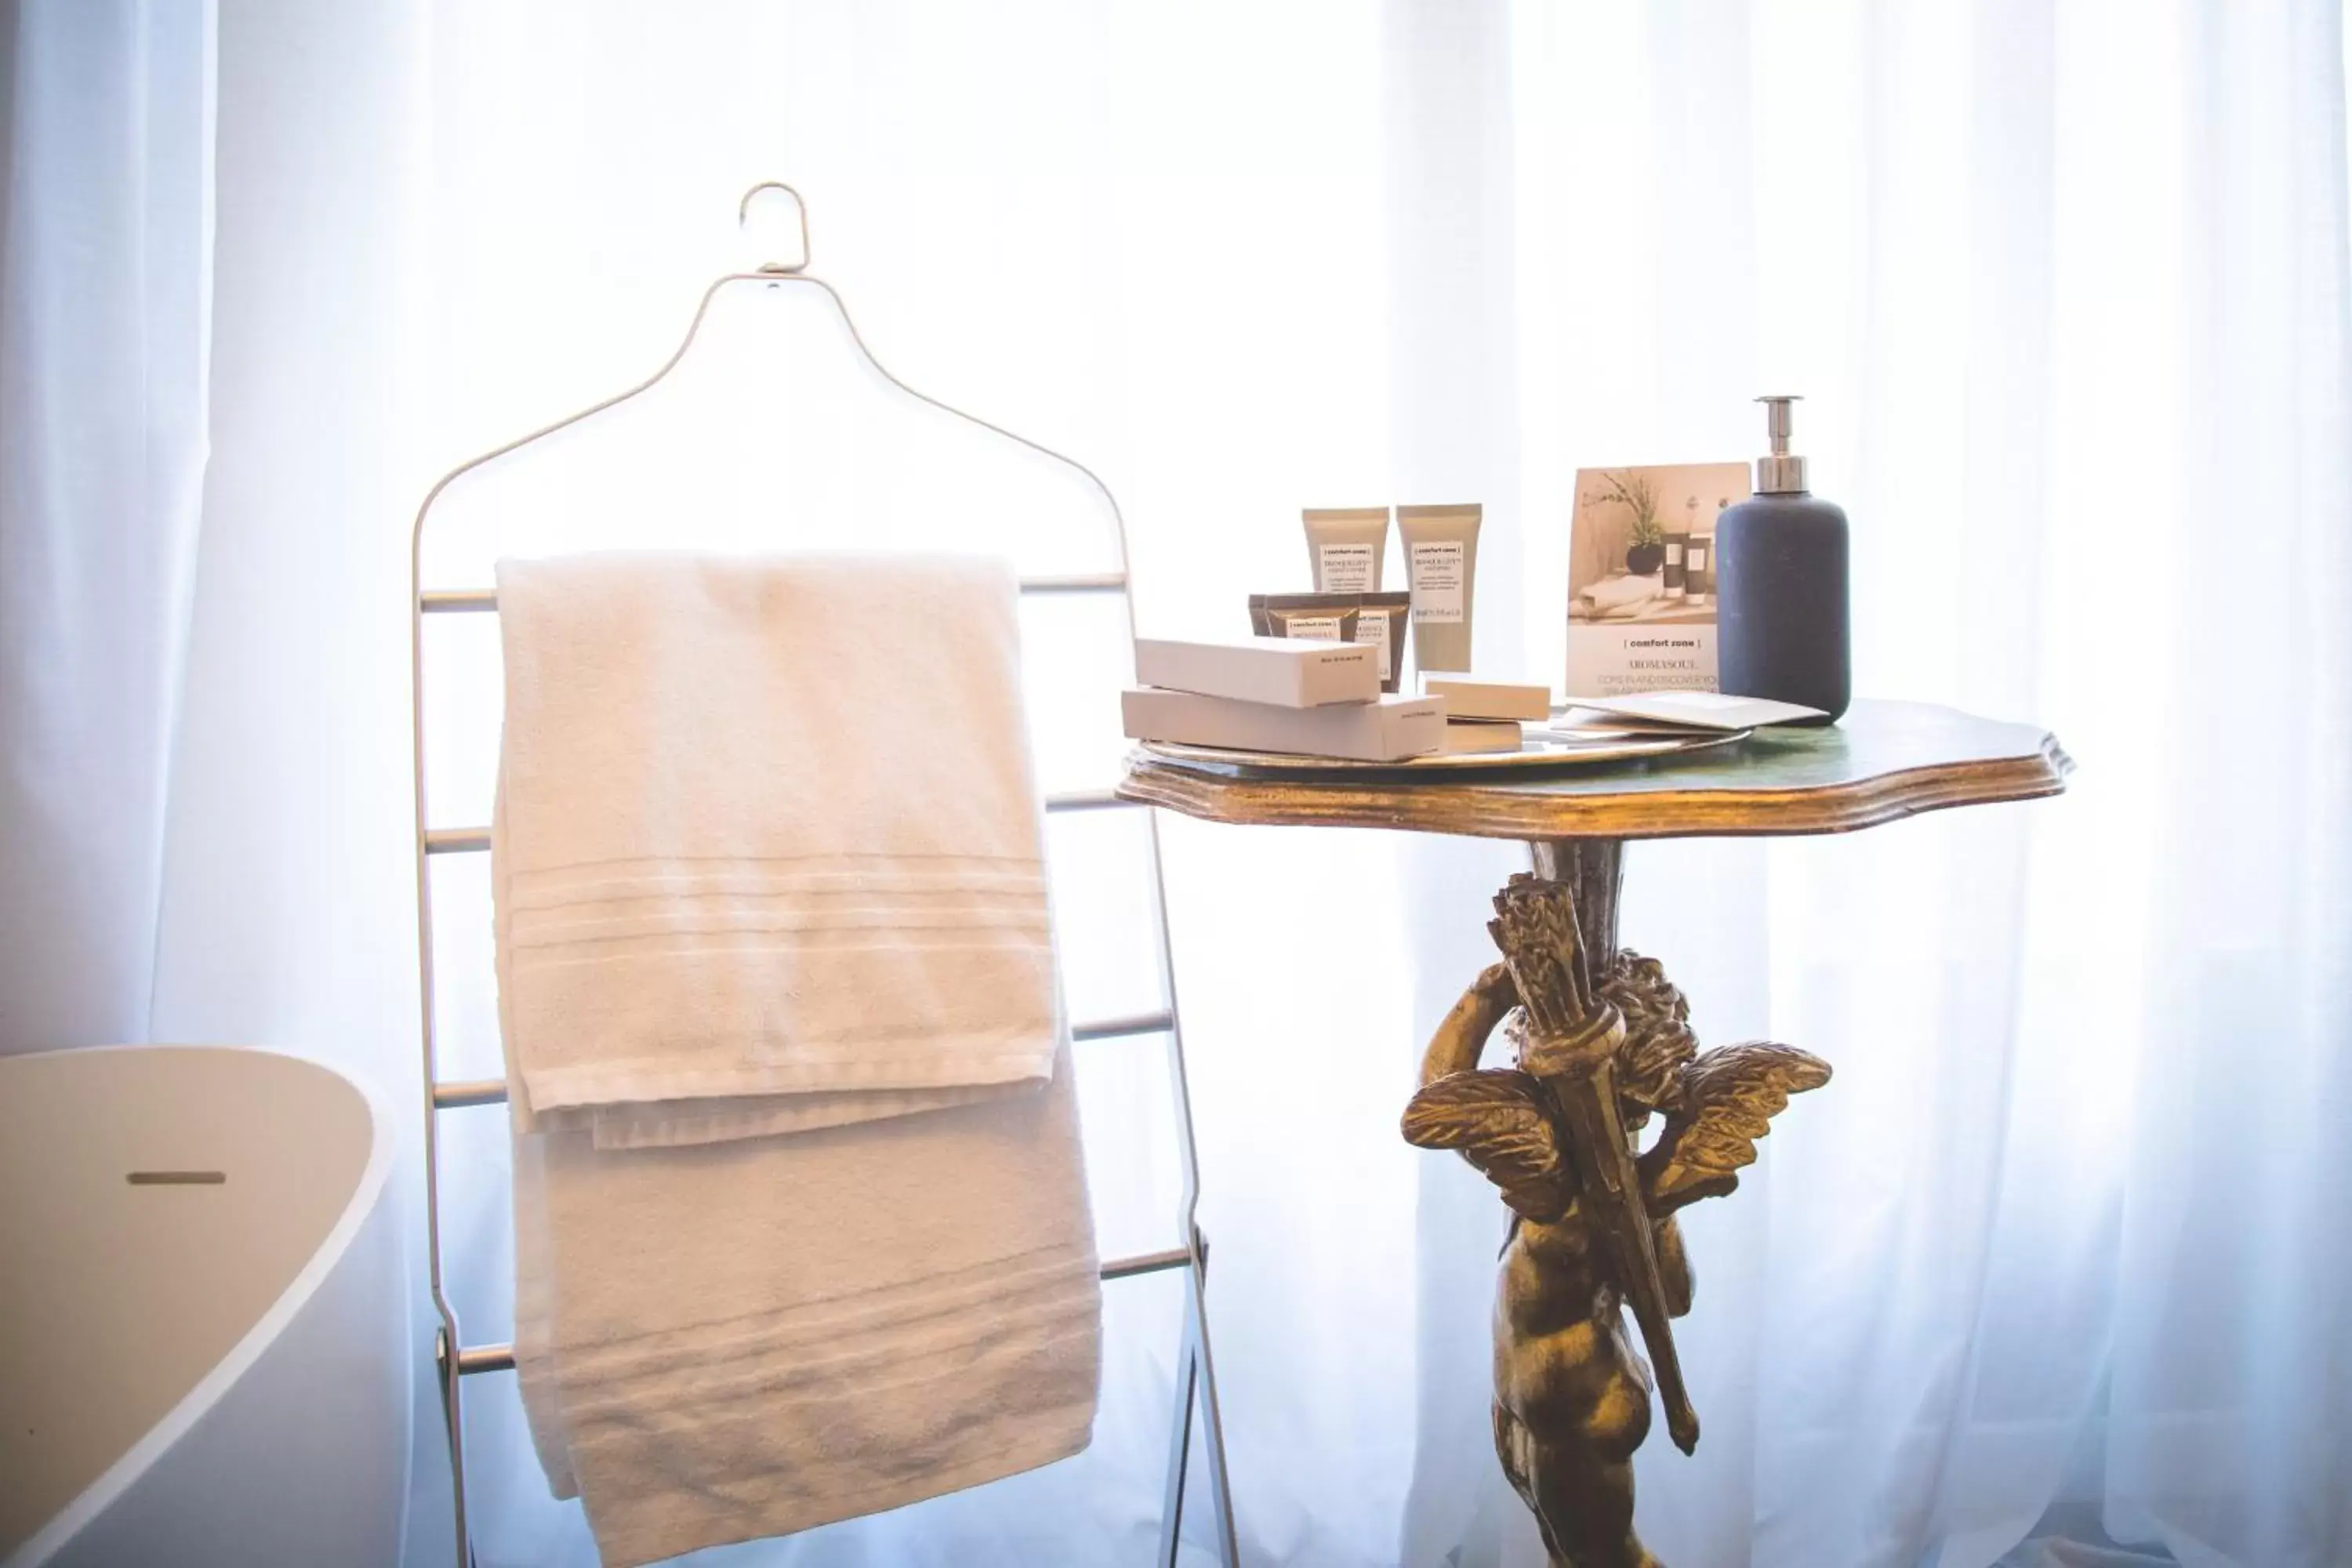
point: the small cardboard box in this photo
(1388, 730)
(1468, 698)
(1286, 672)
(1463, 735)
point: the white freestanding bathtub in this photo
(202, 1330)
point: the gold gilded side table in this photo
(1602, 1043)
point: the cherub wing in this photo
(1496, 1118)
(1728, 1098)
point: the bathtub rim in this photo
(135, 1461)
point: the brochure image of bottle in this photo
(1640, 584)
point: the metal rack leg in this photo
(453, 1422)
(1180, 1437)
(1196, 1370)
(1212, 1427)
(1196, 1378)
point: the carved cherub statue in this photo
(1600, 1049)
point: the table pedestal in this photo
(1602, 1043)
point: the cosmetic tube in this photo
(1382, 619)
(1441, 564)
(1346, 546)
(1324, 617)
(1376, 620)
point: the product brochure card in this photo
(1703, 710)
(1641, 576)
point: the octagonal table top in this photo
(1883, 761)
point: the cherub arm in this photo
(1461, 1036)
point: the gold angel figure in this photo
(1592, 1231)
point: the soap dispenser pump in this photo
(1781, 622)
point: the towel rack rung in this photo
(458, 1093)
(1158, 1023)
(1078, 583)
(485, 1358)
(460, 601)
(501, 1358)
(1088, 800)
(1146, 1263)
(474, 840)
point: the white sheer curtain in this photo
(2053, 1266)
(105, 260)
(2065, 286)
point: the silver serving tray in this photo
(1537, 754)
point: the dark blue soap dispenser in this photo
(1781, 624)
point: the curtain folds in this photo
(2064, 287)
(105, 300)
(2049, 1275)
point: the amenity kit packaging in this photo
(1488, 716)
(1377, 620)
(1393, 728)
(1346, 547)
(1279, 695)
(1467, 698)
(1441, 564)
(1274, 671)
(1318, 617)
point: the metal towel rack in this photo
(455, 1358)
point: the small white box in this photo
(1387, 730)
(1465, 735)
(1285, 671)
(1469, 698)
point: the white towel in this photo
(768, 882)
(754, 1338)
(1619, 593)
(764, 828)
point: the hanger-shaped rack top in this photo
(773, 274)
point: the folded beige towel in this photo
(764, 828)
(1619, 593)
(758, 1337)
(800, 1215)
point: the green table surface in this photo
(1881, 761)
